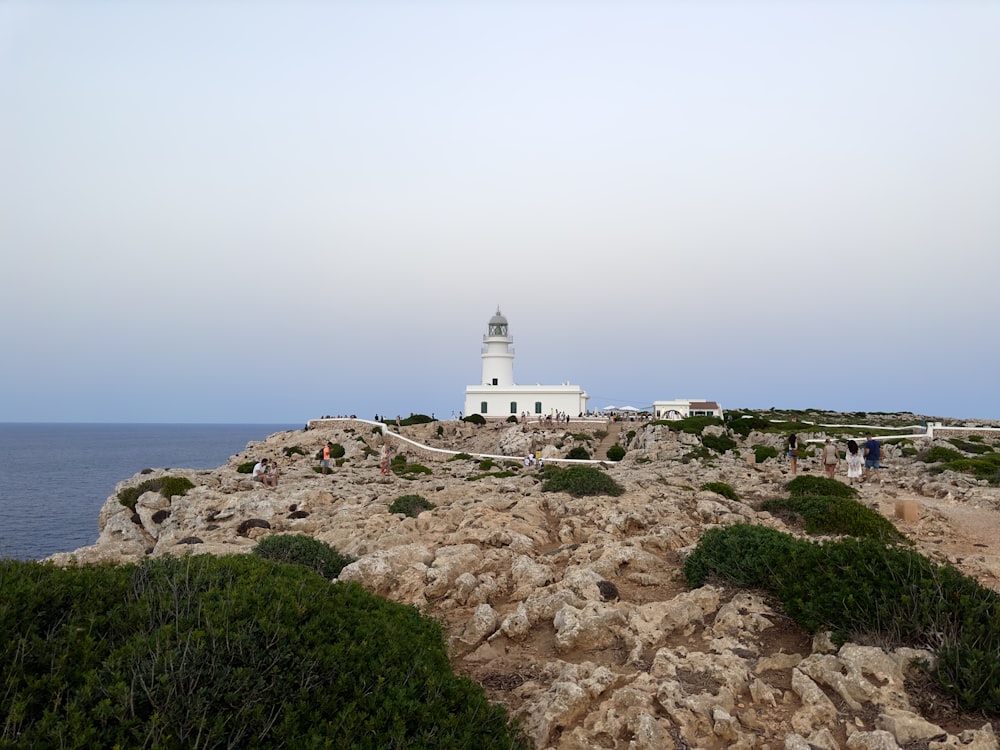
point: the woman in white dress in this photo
(855, 462)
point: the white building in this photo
(498, 397)
(682, 408)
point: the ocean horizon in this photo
(55, 476)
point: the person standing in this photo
(793, 452)
(831, 458)
(854, 462)
(386, 458)
(873, 458)
(326, 457)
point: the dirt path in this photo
(965, 535)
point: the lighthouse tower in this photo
(498, 357)
(497, 397)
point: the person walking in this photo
(386, 458)
(793, 452)
(873, 458)
(831, 458)
(326, 457)
(854, 462)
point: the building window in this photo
(513, 407)
(482, 408)
(494, 381)
(538, 407)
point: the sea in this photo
(54, 478)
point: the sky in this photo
(267, 212)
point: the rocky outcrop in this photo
(570, 611)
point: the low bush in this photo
(291, 450)
(411, 505)
(302, 550)
(691, 425)
(460, 457)
(478, 419)
(938, 453)
(232, 651)
(763, 452)
(969, 446)
(835, 515)
(166, 486)
(744, 424)
(578, 453)
(863, 589)
(503, 474)
(718, 443)
(486, 464)
(512, 419)
(580, 481)
(720, 488)
(985, 467)
(809, 485)
(246, 467)
(615, 453)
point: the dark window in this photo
(513, 407)
(538, 407)
(495, 381)
(482, 408)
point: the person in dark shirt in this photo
(873, 458)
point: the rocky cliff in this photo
(573, 611)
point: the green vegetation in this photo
(460, 457)
(411, 505)
(291, 450)
(690, 425)
(410, 420)
(826, 514)
(486, 464)
(718, 443)
(231, 651)
(863, 589)
(246, 468)
(971, 446)
(580, 481)
(512, 419)
(720, 488)
(615, 453)
(402, 468)
(763, 452)
(810, 485)
(299, 549)
(985, 466)
(478, 419)
(578, 453)
(743, 423)
(166, 486)
(938, 453)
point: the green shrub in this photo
(410, 420)
(498, 474)
(512, 419)
(246, 468)
(718, 443)
(985, 467)
(701, 452)
(289, 451)
(579, 453)
(478, 419)
(971, 447)
(720, 488)
(809, 485)
(938, 453)
(460, 457)
(231, 651)
(580, 481)
(744, 425)
(835, 515)
(411, 505)
(690, 425)
(486, 464)
(863, 589)
(166, 486)
(302, 550)
(615, 453)
(763, 452)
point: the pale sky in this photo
(272, 211)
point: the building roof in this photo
(703, 405)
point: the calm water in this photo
(54, 478)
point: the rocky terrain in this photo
(573, 611)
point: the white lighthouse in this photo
(498, 357)
(497, 396)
